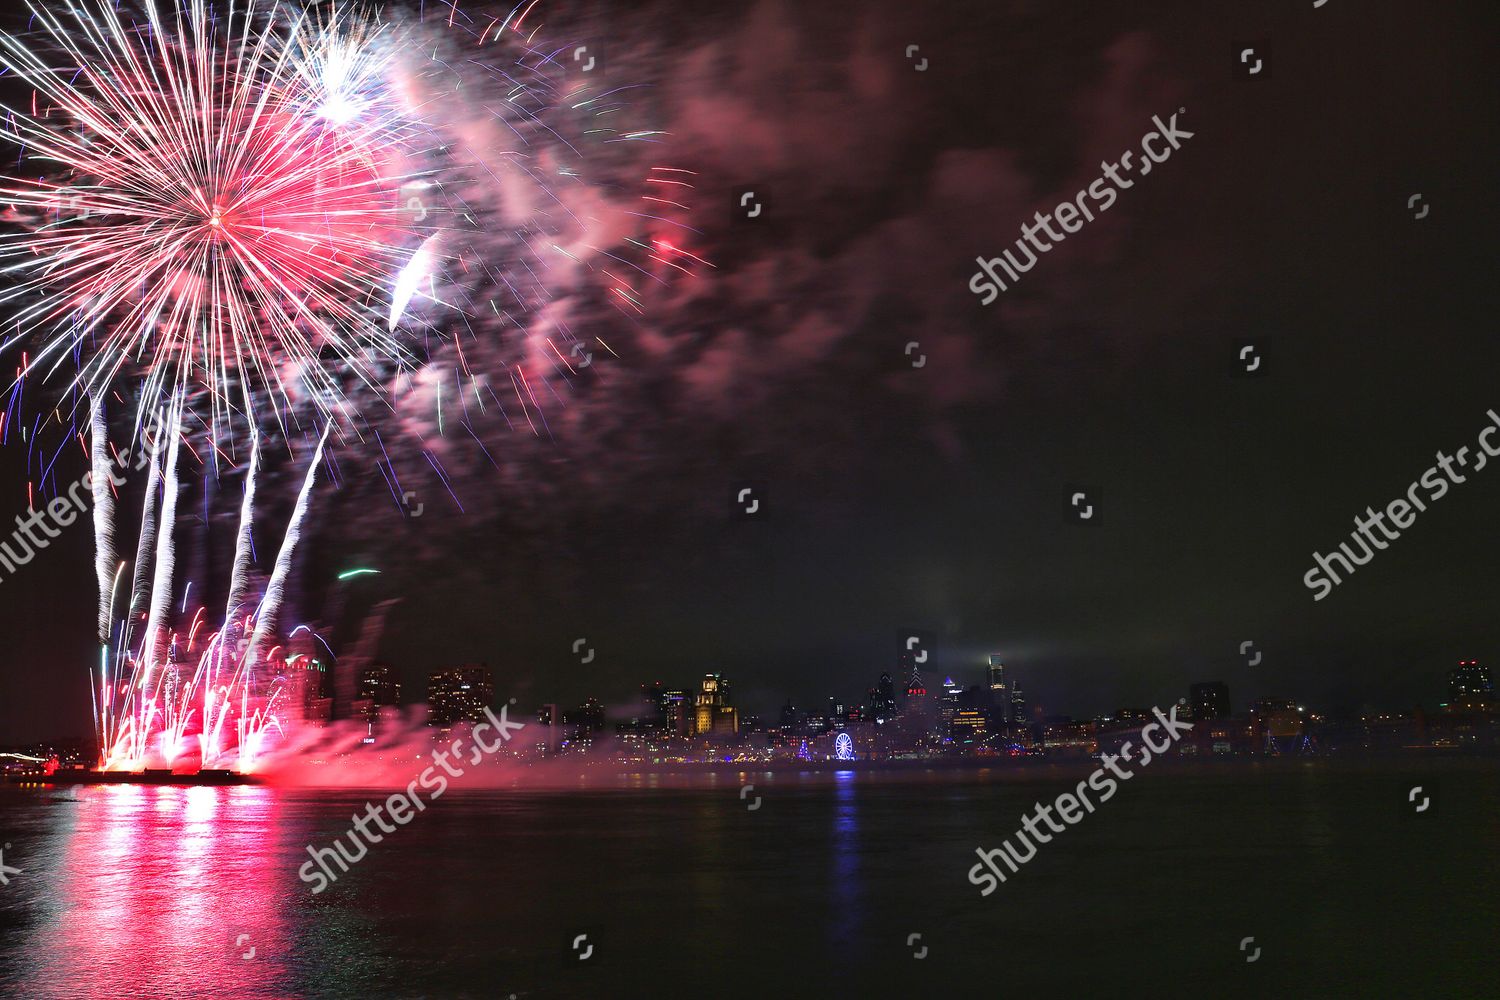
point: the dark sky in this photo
(934, 497)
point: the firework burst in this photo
(250, 215)
(212, 203)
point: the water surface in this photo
(687, 891)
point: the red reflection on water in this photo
(164, 891)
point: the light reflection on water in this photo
(141, 890)
(130, 891)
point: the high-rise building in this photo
(459, 694)
(713, 714)
(677, 707)
(883, 700)
(948, 702)
(581, 723)
(1469, 684)
(1020, 722)
(1210, 700)
(916, 691)
(653, 707)
(378, 687)
(999, 691)
(967, 726)
(306, 679)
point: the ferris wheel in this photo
(843, 747)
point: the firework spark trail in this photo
(244, 540)
(218, 699)
(140, 587)
(158, 706)
(154, 639)
(270, 605)
(104, 513)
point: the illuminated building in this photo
(815, 724)
(459, 694)
(969, 725)
(948, 702)
(1020, 723)
(999, 691)
(1228, 736)
(1470, 685)
(678, 711)
(306, 679)
(883, 700)
(378, 687)
(580, 724)
(653, 706)
(1210, 701)
(1064, 734)
(712, 712)
(917, 701)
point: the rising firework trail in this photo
(255, 219)
(104, 512)
(205, 208)
(171, 688)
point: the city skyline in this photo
(460, 693)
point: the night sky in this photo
(936, 497)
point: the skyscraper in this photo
(1470, 684)
(677, 707)
(654, 707)
(1020, 723)
(583, 722)
(459, 694)
(713, 713)
(884, 707)
(1210, 700)
(378, 687)
(916, 688)
(999, 692)
(949, 701)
